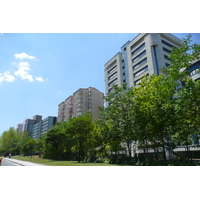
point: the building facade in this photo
(47, 123)
(36, 126)
(43, 126)
(195, 70)
(19, 128)
(84, 99)
(146, 54)
(28, 124)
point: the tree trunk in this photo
(129, 148)
(155, 151)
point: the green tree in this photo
(30, 146)
(55, 141)
(186, 92)
(158, 106)
(81, 128)
(8, 142)
(23, 138)
(41, 144)
(120, 119)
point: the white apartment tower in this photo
(84, 99)
(146, 54)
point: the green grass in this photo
(59, 163)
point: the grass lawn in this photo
(59, 163)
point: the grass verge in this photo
(59, 163)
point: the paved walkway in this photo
(23, 163)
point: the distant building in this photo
(47, 123)
(36, 126)
(43, 126)
(37, 130)
(84, 99)
(19, 128)
(28, 124)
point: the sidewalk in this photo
(23, 163)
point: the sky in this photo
(40, 70)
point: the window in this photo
(139, 56)
(166, 57)
(141, 71)
(112, 76)
(139, 80)
(167, 64)
(110, 90)
(138, 49)
(196, 71)
(112, 82)
(140, 63)
(113, 68)
(166, 43)
(166, 50)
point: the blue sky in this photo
(39, 71)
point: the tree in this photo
(55, 141)
(30, 146)
(80, 128)
(41, 144)
(23, 138)
(8, 142)
(186, 92)
(157, 105)
(120, 118)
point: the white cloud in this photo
(23, 55)
(23, 71)
(39, 79)
(6, 76)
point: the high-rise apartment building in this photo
(84, 99)
(146, 54)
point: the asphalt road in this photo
(6, 162)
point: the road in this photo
(6, 162)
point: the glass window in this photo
(141, 71)
(112, 82)
(166, 57)
(138, 49)
(140, 63)
(113, 68)
(166, 50)
(112, 76)
(139, 56)
(166, 43)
